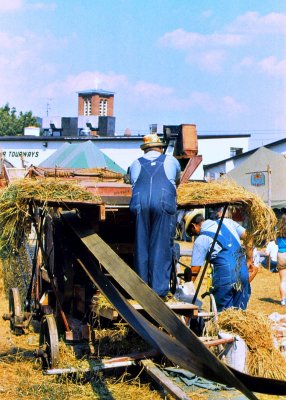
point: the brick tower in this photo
(95, 102)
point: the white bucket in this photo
(186, 292)
(234, 353)
(188, 288)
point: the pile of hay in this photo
(263, 358)
(15, 199)
(261, 219)
(22, 378)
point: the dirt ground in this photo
(21, 376)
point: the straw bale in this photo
(255, 329)
(15, 199)
(260, 218)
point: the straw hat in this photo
(188, 218)
(152, 140)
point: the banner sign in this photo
(258, 179)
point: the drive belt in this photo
(182, 347)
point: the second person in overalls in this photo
(230, 277)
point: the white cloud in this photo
(152, 90)
(246, 62)
(268, 65)
(230, 105)
(83, 81)
(272, 66)
(207, 52)
(43, 6)
(210, 52)
(10, 42)
(11, 5)
(254, 23)
(227, 105)
(207, 13)
(211, 61)
(146, 94)
(180, 39)
(19, 5)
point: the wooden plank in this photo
(101, 213)
(163, 380)
(218, 342)
(180, 307)
(175, 306)
(192, 165)
(134, 356)
(183, 347)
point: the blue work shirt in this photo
(203, 243)
(171, 166)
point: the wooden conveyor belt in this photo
(179, 344)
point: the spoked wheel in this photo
(15, 311)
(49, 342)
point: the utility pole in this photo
(269, 181)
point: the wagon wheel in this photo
(213, 307)
(15, 311)
(49, 342)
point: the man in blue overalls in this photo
(230, 277)
(154, 177)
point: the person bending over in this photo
(230, 276)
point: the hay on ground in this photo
(261, 220)
(255, 329)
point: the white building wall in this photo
(34, 152)
(216, 149)
(27, 152)
(122, 151)
(226, 166)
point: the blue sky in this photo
(219, 64)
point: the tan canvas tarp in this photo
(261, 161)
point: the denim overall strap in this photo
(230, 280)
(153, 204)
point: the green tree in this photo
(12, 124)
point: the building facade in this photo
(223, 166)
(33, 150)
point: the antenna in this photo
(49, 100)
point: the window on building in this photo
(235, 151)
(87, 106)
(103, 107)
